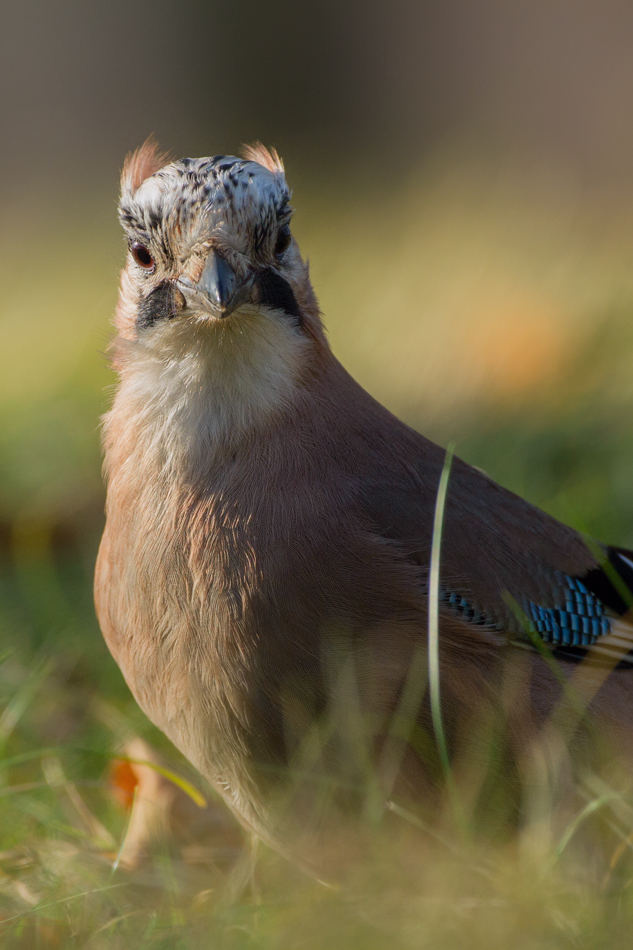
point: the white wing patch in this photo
(626, 560)
(615, 646)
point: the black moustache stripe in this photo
(159, 305)
(273, 292)
(276, 293)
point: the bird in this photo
(263, 580)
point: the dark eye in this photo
(142, 256)
(284, 237)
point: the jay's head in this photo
(210, 250)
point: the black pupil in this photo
(142, 256)
(283, 240)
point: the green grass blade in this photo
(183, 784)
(434, 593)
(19, 703)
(433, 642)
(187, 787)
(573, 826)
(64, 900)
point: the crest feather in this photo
(141, 164)
(267, 157)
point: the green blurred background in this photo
(463, 179)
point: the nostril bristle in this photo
(179, 300)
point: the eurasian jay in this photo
(265, 562)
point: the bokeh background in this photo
(463, 185)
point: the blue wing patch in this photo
(578, 622)
(466, 609)
(584, 611)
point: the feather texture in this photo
(268, 521)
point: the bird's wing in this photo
(507, 567)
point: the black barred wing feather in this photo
(577, 619)
(587, 613)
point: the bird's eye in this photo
(284, 237)
(142, 256)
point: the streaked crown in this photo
(239, 201)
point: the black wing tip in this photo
(612, 581)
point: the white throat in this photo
(195, 389)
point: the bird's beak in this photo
(218, 290)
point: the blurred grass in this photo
(491, 309)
